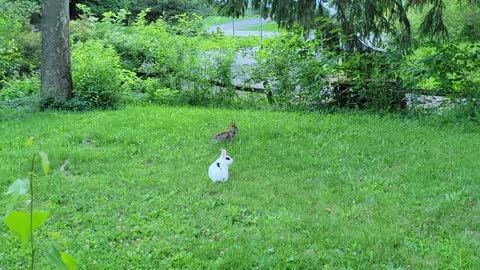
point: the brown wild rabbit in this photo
(226, 135)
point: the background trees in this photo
(367, 22)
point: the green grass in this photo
(307, 191)
(268, 27)
(217, 20)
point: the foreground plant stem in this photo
(31, 211)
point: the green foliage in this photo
(231, 8)
(156, 92)
(15, 17)
(10, 61)
(307, 76)
(30, 46)
(183, 64)
(23, 220)
(19, 88)
(268, 27)
(61, 260)
(215, 20)
(384, 23)
(170, 8)
(82, 28)
(461, 20)
(99, 7)
(157, 8)
(16, 192)
(373, 82)
(98, 78)
(44, 162)
(19, 49)
(187, 25)
(445, 70)
(295, 73)
(19, 223)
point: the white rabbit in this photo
(218, 171)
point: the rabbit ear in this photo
(223, 153)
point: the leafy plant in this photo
(372, 81)
(10, 61)
(29, 45)
(293, 71)
(15, 17)
(23, 220)
(187, 25)
(98, 78)
(18, 88)
(446, 70)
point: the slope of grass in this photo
(268, 27)
(306, 191)
(217, 20)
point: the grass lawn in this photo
(306, 191)
(217, 20)
(268, 27)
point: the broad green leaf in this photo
(17, 189)
(61, 260)
(54, 257)
(69, 261)
(19, 223)
(45, 162)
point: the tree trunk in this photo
(56, 63)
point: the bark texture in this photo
(56, 63)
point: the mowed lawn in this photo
(306, 191)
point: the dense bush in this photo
(10, 62)
(294, 71)
(15, 17)
(30, 46)
(445, 70)
(183, 64)
(187, 25)
(373, 81)
(19, 88)
(157, 8)
(98, 78)
(19, 48)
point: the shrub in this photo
(374, 82)
(30, 46)
(15, 31)
(98, 78)
(10, 61)
(15, 17)
(294, 71)
(19, 88)
(445, 70)
(175, 64)
(81, 29)
(187, 25)
(156, 92)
